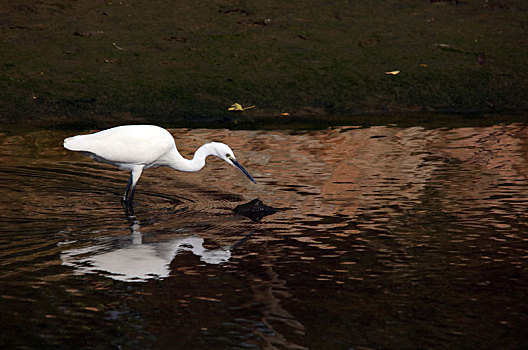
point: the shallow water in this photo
(387, 238)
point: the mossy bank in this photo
(186, 62)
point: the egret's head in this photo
(224, 152)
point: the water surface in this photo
(387, 238)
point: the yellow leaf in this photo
(394, 72)
(237, 107)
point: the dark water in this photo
(389, 238)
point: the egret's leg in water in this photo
(131, 186)
(131, 196)
(128, 209)
(124, 199)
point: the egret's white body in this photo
(138, 147)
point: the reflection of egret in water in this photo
(136, 261)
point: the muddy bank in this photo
(98, 63)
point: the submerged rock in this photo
(255, 210)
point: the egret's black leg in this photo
(131, 196)
(128, 209)
(128, 196)
(124, 199)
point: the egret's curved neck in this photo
(190, 165)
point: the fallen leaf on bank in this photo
(118, 47)
(285, 114)
(110, 60)
(394, 72)
(237, 107)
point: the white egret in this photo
(138, 147)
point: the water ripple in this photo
(387, 238)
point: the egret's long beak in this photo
(241, 168)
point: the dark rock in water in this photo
(255, 210)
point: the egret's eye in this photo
(228, 156)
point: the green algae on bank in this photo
(180, 63)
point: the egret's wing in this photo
(137, 144)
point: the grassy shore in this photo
(93, 62)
